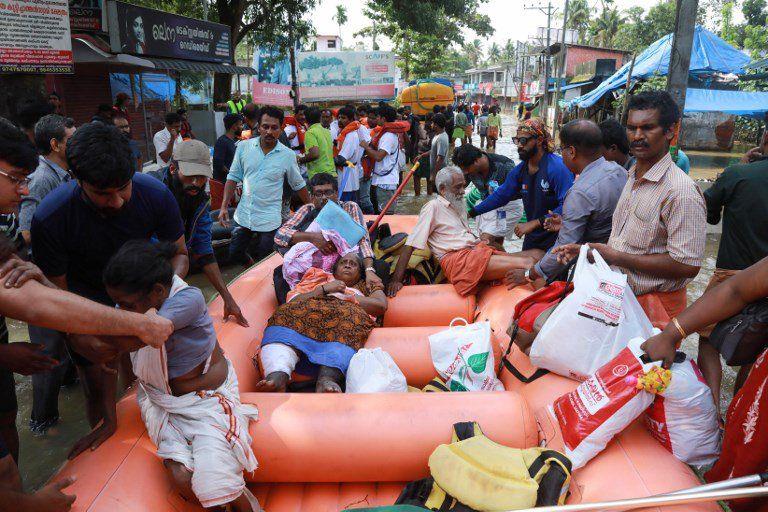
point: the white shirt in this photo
(387, 170)
(334, 128)
(290, 130)
(160, 141)
(352, 151)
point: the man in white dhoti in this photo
(187, 388)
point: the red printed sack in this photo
(603, 405)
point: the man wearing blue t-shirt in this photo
(541, 179)
(79, 226)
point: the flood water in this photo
(42, 456)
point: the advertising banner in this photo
(272, 85)
(35, 37)
(85, 15)
(142, 31)
(346, 75)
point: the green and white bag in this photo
(463, 356)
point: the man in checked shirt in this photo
(659, 225)
(323, 188)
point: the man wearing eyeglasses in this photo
(541, 179)
(589, 205)
(323, 188)
(28, 296)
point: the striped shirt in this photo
(286, 231)
(662, 212)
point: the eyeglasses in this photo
(522, 141)
(323, 193)
(17, 182)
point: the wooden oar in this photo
(394, 197)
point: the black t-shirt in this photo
(69, 237)
(740, 196)
(223, 154)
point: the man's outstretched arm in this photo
(64, 311)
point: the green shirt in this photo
(494, 120)
(741, 194)
(319, 137)
(461, 120)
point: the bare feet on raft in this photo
(276, 382)
(329, 380)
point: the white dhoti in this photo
(206, 431)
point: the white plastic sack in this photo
(684, 418)
(463, 356)
(603, 405)
(592, 324)
(374, 371)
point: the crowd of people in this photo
(86, 231)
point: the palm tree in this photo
(605, 27)
(578, 17)
(341, 16)
(474, 52)
(494, 54)
(508, 52)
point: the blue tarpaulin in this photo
(740, 103)
(710, 54)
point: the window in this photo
(332, 43)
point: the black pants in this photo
(45, 386)
(241, 241)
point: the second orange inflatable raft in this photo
(325, 453)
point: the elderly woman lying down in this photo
(326, 320)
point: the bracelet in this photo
(370, 268)
(679, 328)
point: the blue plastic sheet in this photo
(740, 103)
(710, 54)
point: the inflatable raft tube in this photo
(330, 452)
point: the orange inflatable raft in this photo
(325, 453)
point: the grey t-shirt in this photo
(193, 337)
(439, 148)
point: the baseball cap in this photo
(193, 158)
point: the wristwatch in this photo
(370, 268)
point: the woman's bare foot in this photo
(329, 380)
(276, 382)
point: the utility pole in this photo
(680, 56)
(549, 11)
(560, 71)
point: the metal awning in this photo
(191, 65)
(86, 49)
(571, 86)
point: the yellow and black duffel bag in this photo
(475, 474)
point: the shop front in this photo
(160, 61)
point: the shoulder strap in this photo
(465, 430)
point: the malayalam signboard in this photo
(346, 75)
(35, 37)
(272, 84)
(85, 15)
(143, 31)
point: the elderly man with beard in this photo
(442, 226)
(186, 177)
